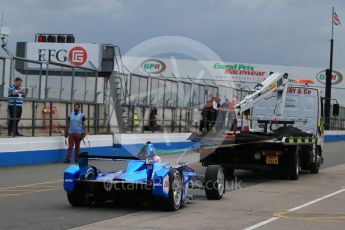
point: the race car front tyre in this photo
(174, 200)
(214, 182)
(77, 199)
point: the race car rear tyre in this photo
(174, 200)
(214, 182)
(77, 199)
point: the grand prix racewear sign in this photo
(239, 69)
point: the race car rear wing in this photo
(86, 155)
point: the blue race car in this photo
(147, 179)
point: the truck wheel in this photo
(229, 172)
(214, 182)
(315, 166)
(174, 200)
(295, 166)
(77, 199)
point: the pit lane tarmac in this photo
(32, 197)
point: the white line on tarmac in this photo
(262, 223)
(255, 226)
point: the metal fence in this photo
(52, 81)
(48, 118)
(172, 120)
(178, 102)
(54, 87)
(337, 124)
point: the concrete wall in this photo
(38, 150)
(331, 136)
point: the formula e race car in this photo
(149, 179)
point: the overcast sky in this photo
(287, 32)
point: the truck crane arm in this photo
(275, 82)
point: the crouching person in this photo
(75, 131)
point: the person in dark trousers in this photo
(15, 105)
(204, 115)
(219, 116)
(213, 113)
(153, 119)
(75, 131)
(203, 121)
(208, 115)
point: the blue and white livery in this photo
(165, 184)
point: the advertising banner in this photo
(233, 73)
(77, 54)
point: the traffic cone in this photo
(245, 126)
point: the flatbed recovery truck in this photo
(285, 134)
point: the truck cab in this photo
(302, 105)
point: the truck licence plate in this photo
(272, 160)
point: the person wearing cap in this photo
(75, 131)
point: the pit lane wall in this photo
(38, 150)
(331, 136)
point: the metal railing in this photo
(48, 118)
(170, 120)
(53, 89)
(51, 80)
(337, 124)
(179, 101)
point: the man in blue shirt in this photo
(75, 131)
(15, 105)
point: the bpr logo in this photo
(153, 66)
(337, 77)
(78, 55)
